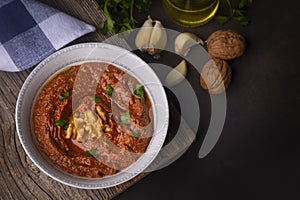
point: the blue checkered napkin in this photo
(30, 31)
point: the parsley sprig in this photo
(64, 123)
(97, 99)
(93, 152)
(64, 95)
(125, 118)
(109, 90)
(138, 90)
(120, 14)
(69, 71)
(135, 133)
(238, 14)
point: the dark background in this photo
(258, 153)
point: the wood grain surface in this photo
(19, 177)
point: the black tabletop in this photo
(257, 155)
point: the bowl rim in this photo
(25, 88)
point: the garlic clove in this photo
(144, 34)
(177, 74)
(151, 39)
(185, 41)
(158, 39)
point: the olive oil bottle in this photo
(191, 13)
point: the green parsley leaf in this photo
(92, 152)
(245, 3)
(109, 21)
(103, 27)
(109, 90)
(64, 123)
(237, 14)
(125, 118)
(119, 14)
(135, 134)
(221, 19)
(69, 71)
(138, 90)
(242, 20)
(97, 99)
(64, 95)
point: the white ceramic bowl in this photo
(86, 52)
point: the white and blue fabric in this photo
(31, 30)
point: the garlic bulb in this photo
(177, 74)
(152, 40)
(185, 41)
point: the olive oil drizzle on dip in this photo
(93, 120)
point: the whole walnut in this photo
(215, 76)
(226, 44)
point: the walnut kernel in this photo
(215, 76)
(226, 44)
(91, 125)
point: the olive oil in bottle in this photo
(191, 13)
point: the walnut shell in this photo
(215, 76)
(226, 44)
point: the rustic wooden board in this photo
(19, 177)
